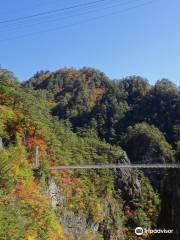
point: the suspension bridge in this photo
(116, 166)
(36, 165)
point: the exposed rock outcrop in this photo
(76, 224)
(1, 143)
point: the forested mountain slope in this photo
(81, 117)
(89, 99)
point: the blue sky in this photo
(131, 40)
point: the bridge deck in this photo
(116, 166)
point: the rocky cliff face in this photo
(74, 224)
(129, 186)
(144, 149)
(126, 182)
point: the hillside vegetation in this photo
(81, 117)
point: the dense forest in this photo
(74, 116)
